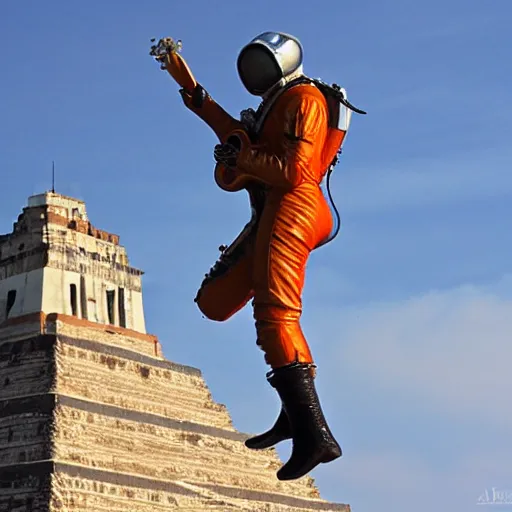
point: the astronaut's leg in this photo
(280, 262)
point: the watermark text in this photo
(495, 496)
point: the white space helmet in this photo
(267, 60)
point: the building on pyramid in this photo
(93, 418)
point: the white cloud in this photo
(450, 349)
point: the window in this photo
(111, 295)
(72, 290)
(121, 308)
(11, 299)
(83, 298)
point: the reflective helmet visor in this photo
(258, 69)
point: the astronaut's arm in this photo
(304, 126)
(197, 99)
(202, 104)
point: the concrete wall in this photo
(54, 247)
(56, 291)
(135, 311)
(66, 206)
(56, 298)
(49, 290)
(29, 293)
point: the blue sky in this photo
(407, 311)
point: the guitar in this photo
(229, 178)
(166, 53)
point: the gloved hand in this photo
(195, 97)
(225, 154)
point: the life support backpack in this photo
(340, 112)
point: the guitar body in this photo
(231, 179)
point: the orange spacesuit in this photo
(292, 142)
(295, 219)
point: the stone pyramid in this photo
(93, 418)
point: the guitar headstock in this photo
(165, 46)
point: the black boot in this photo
(313, 442)
(279, 432)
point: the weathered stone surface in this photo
(55, 260)
(83, 372)
(27, 367)
(125, 431)
(108, 335)
(25, 487)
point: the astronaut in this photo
(293, 143)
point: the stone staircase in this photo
(94, 419)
